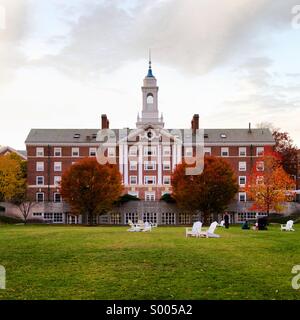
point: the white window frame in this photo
(40, 152)
(260, 151)
(54, 197)
(37, 196)
(149, 196)
(40, 166)
(134, 178)
(146, 178)
(223, 151)
(75, 152)
(57, 166)
(167, 165)
(57, 180)
(168, 218)
(133, 216)
(57, 152)
(242, 194)
(151, 164)
(167, 178)
(92, 152)
(242, 184)
(242, 151)
(37, 180)
(241, 168)
(133, 165)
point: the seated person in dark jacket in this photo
(245, 225)
(262, 223)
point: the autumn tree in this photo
(210, 192)
(13, 186)
(287, 151)
(269, 186)
(91, 188)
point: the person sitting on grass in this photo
(245, 225)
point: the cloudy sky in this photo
(63, 63)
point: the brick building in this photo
(146, 156)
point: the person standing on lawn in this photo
(226, 219)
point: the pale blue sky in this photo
(64, 63)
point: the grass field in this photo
(75, 262)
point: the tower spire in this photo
(150, 74)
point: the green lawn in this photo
(76, 262)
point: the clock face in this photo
(149, 134)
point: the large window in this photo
(242, 197)
(167, 180)
(166, 165)
(184, 218)
(133, 179)
(242, 166)
(166, 151)
(40, 180)
(56, 217)
(57, 166)
(93, 152)
(149, 165)
(75, 152)
(168, 218)
(242, 151)
(133, 216)
(242, 216)
(150, 196)
(150, 217)
(57, 180)
(115, 218)
(242, 181)
(133, 150)
(225, 152)
(57, 152)
(260, 151)
(133, 165)
(40, 152)
(40, 197)
(149, 180)
(57, 197)
(40, 166)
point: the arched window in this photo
(149, 98)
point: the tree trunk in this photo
(91, 219)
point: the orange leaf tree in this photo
(210, 192)
(91, 188)
(269, 186)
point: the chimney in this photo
(104, 122)
(249, 131)
(195, 123)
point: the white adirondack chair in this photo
(222, 224)
(288, 226)
(133, 227)
(147, 227)
(194, 231)
(210, 233)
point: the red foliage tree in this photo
(269, 186)
(210, 192)
(91, 188)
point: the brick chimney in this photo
(195, 123)
(104, 122)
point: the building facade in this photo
(146, 156)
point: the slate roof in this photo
(89, 136)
